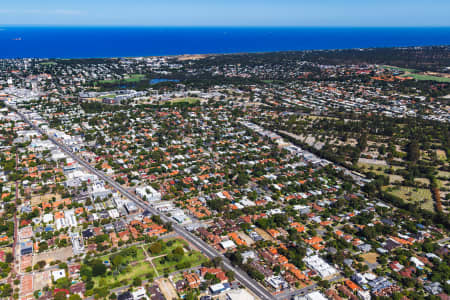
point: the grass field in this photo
(187, 100)
(194, 258)
(413, 195)
(140, 270)
(137, 266)
(399, 69)
(139, 256)
(168, 249)
(48, 63)
(132, 78)
(428, 77)
(411, 73)
(379, 170)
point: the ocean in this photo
(84, 42)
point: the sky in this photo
(329, 13)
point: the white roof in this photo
(57, 274)
(315, 296)
(228, 244)
(240, 294)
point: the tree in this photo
(155, 248)
(117, 260)
(9, 258)
(60, 296)
(98, 268)
(413, 151)
(75, 297)
(230, 275)
(178, 251)
(137, 281)
(217, 261)
(85, 271)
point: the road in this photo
(207, 250)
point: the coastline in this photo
(116, 42)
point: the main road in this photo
(206, 249)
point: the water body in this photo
(159, 80)
(83, 42)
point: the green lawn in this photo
(399, 69)
(410, 194)
(48, 63)
(132, 78)
(189, 100)
(428, 77)
(410, 73)
(139, 256)
(140, 270)
(166, 249)
(109, 96)
(194, 258)
(377, 169)
(136, 266)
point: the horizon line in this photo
(220, 26)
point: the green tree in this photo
(98, 268)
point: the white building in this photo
(363, 295)
(71, 220)
(240, 294)
(228, 244)
(139, 293)
(316, 295)
(60, 223)
(316, 263)
(148, 193)
(58, 274)
(47, 218)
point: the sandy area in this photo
(370, 257)
(167, 288)
(264, 234)
(42, 279)
(61, 254)
(36, 200)
(246, 238)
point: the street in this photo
(207, 250)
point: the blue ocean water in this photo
(82, 42)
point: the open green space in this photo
(132, 78)
(48, 63)
(109, 96)
(428, 77)
(127, 259)
(411, 73)
(122, 266)
(190, 259)
(189, 100)
(168, 247)
(420, 196)
(141, 270)
(377, 169)
(399, 69)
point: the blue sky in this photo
(227, 12)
